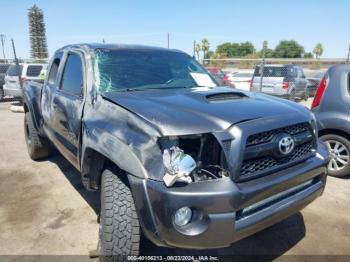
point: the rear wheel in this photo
(292, 95)
(119, 225)
(339, 149)
(38, 147)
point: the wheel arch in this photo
(332, 131)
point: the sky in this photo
(147, 22)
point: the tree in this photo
(235, 49)
(209, 54)
(246, 48)
(205, 46)
(197, 49)
(308, 55)
(37, 34)
(318, 50)
(288, 49)
(265, 51)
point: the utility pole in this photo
(17, 65)
(2, 38)
(348, 60)
(168, 37)
(194, 49)
(262, 64)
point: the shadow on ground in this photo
(271, 242)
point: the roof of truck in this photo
(119, 47)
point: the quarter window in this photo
(54, 68)
(72, 79)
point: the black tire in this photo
(119, 225)
(330, 140)
(38, 147)
(291, 96)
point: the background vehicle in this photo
(331, 106)
(191, 164)
(28, 72)
(314, 81)
(287, 81)
(241, 80)
(219, 76)
(3, 69)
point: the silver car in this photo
(27, 72)
(286, 81)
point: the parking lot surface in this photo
(45, 210)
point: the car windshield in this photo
(131, 70)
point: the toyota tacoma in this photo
(176, 157)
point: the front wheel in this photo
(38, 146)
(119, 225)
(339, 150)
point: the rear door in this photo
(11, 78)
(67, 106)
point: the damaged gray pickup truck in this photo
(187, 163)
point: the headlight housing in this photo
(178, 166)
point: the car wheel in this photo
(38, 147)
(292, 95)
(119, 234)
(339, 149)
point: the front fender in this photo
(123, 138)
(31, 100)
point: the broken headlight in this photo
(178, 166)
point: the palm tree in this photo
(197, 49)
(205, 46)
(318, 50)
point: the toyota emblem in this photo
(286, 145)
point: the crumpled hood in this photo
(189, 111)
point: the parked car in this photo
(241, 80)
(3, 69)
(287, 81)
(331, 107)
(188, 163)
(314, 82)
(27, 71)
(219, 75)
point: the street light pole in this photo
(348, 60)
(2, 38)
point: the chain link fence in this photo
(294, 79)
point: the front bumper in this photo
(225, 211)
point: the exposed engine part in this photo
(210, 160)
(178, 166)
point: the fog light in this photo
(183, 216)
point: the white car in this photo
(27, 72)
(241, 80)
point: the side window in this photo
(52, 76)
(34, 70)
(72, 78)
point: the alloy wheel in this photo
(339, 155)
